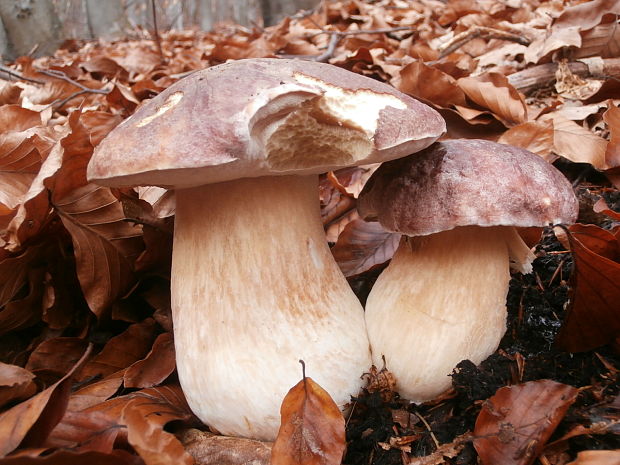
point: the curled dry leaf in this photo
(592, 318)
(612, 118)
(601, 207)
(514, 425)
(211, 449)
(577, 143)
(121, 351)
(58, 354)
(30, 422)
(535, 136)
(158, 364)
(430, 85)
(312, 428)
(362, 246)
(140, 415)
(16, 384)
(68, 457)
(597, 457)
(493, 91)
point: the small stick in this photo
(479, 31)
(428, 427)
(63, 77)
(13, 73)
(336, 36)
(156, 32)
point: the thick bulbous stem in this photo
(254, 290)
(441, 300)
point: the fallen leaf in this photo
(121, 351)
(576, 143)
(363, 245)
(535, 136)
(601, 207)
(68, 457)
(16, 384)
(597, 457)
(58, 354)
(30, 422)
(493, 91)
(311, 430)
(514, 425)
(158, 364)
(211, 449)
(592, 315)
(140, 415)
(430, 85)
(612, 118)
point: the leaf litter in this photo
(84, 266)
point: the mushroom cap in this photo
(467, 182)
(258, 117)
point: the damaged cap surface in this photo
(467, 182)
(258, 117)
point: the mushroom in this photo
(442, 298)
(254, 286)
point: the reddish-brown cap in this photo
(260, 117)
(467, 182)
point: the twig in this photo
(428, 427)
(336, 36)
(156, 33)
(483, 32)
(12, 73)
(58, 104)
(543, 75)
(63, 77)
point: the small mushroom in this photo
(254, 285)
(442, 299)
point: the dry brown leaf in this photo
(121, 351)
(145, 421)
(493, 91)
(211, 449)
(105, 244)
(362, 246)
(592, 318)
(514, 425)
(612, 118)
(58, 354)
(141, 415)
(597, 457)
(30, 422)
(535, 136)
(17, 118)
(95, 393)
(16, 384)
(158, 364)
(430, 85)
(576, 143)
(68, 457)
(602, 40)
(601, 207)
(311, 430)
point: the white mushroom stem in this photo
(441, 300)
(254, 290)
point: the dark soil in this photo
(383, 427)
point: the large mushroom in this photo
(254, 285)
(442, 298)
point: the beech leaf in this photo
(311, 430)
(31, 421)
(363, 245)
(514, 425)
(592, 318)
(158, 364)
(493, 91)
(16, 383)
